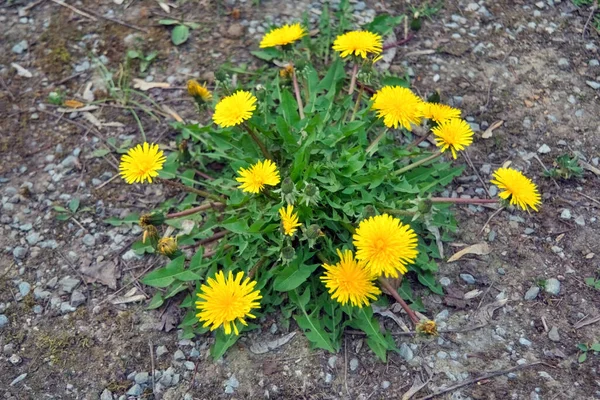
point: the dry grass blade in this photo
(479, 249)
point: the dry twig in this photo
(75, 10)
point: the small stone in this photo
(385, 384)
(594, 63)
(232, 381)
(443, 315)
(189, 365)
(52, 283)
(540, 5)
(3, 321)
(235, 31)
(472, 7)
(593, 84)
(486, 169)
(360, 6)
(106, 395)
(20, 47)
(135, 390)
(66, 307)
(565, 214)
(33, 238)
(77, 298)
(545, 375)
(141, 377)
(24, 289)
(68, 284)
(552, 286)
(532, 293)
(501, 271)
(331, 362)
(553, 334)
(353, 364)
(406, 352)
(41, 294)
(273, 329)
(18, 379)
(525, 342)
(194, 353)
(580, 220)
(445, 281)
(442, 355)
(544, 149)
(19, 252)
(178, 356)
(468, 278)
(563, 62)
(89, 240)
(161, 350)
(15, 359)
(528, 231)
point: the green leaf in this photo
(363, 320)
(383, 23)
(131, 218)
(168, 22)
(63, 217)
(582, 347)
(591, 281)
(394, 81)
(60, 209)
(427, 279)
(74, 204)
(595, 347)
(157, 301)
(100, 152)
(267, 54)
(289, 107)
(582, 357)
(133, 54)
(193, 25)
(293, 276)
(312, 327)
(222, 343)
(180, 34)
(174, 271)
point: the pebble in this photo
(161, 350)
(68, 284)
(552, 286)
(189, 365)
(553, 334)
(331, 362)
(33, 238)
(15, 359)
(565, 214)
(580, 220)
(178, 356)
(525, 342)
(532, 293)
(3, 320)
(593, 84)
(20, 47)
(594, 63)
(235, 31)
(563, 62)
(353, 364)
(77, 298)
(544, 149)
(19, 252)
(445, 281)
(18, 379)
(468, 278)
(141, 377)
(443, 315)
(406, 352)
(385, 384)
(89, 240)
(232, 382)
(135, 390)
(24, 288)
(66, 307)
(106, 395)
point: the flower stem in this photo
(260, 144)
(358, 98)
(375, 142)
(417, 163)
(462, 201)
(353, 78)
(386, 285)
(190, 189)
(297, 92)
(193, 210)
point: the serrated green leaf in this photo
(156, 301)
(222, 343)
(293, 276)
(174, 271)
(427, 279)
(180, 34)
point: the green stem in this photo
(190, 189)
(375, 142)
(297, 92)
(260, 144)
(417, 163)
(390, 289)
(405, 213)
(193, 210)
(358, 98)
(462, 201)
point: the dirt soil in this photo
(64, 335)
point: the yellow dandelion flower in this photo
(284, 35)
(287, 72)
(289, 219)
(195, 89)
(398, 106)
(454, 134)
(350, 281)
(257, 176)
(223, 301)
(427, 327)
(386, 245)
(521, 190)
(440, 112)
(167, 246)
(235, 109)
(359, 43)
(141, 163)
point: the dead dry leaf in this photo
(488, 132)
(70, 110)
(472, 294)
(165, 7)
(169, 319)
(92, 119)
(187, 226)
(479, 249)
(126, 300)
(73, 104)
(22, 71)
(589, 167)
(528, 103)
(386, 312)
(484, 315)
(172, 113)
(88, 94)
(144, 86)
(105, 273)
(416, 386)
(266, 346)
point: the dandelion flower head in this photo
(359, 43)
(254, 179)
(454, 134)
(141, 163)
(283, 35)
(516, 186)
(398, 106)
(235, 109)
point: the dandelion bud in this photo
(424, 206)
(310, 194)
(184, 154)
(287, 186)
(152, 219)
(369, 211)
(199, 92)
(288, 253)
(427, 327)
(221, 76)
(167, 246)
(287, 71)
(311, 190)
(150, 234)
(313, 231)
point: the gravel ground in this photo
(73, 322)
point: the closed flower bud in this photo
(150, 234)
(369, 211)
(313, 231)
(424, 206)
(198, 91)
(288, 253)
(287, 186)
(152, 219)
(167, 246)
(184, 154)
(221, 76)
(311, 190)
